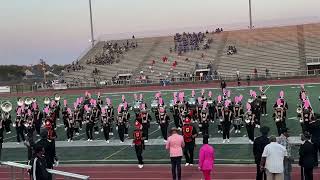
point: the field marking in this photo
(293, 118)
(120, 150)
(267, 89)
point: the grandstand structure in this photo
(279, 49)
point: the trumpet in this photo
(6, 106)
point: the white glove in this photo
(56, 163)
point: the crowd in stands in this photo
(186, 42)
(111, 52)
(75, 66)
(232, 50)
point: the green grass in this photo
(232, 152)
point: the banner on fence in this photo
(60, 86)
(4, 89)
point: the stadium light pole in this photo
(91, 24)
(250, 14)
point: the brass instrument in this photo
(57, 97)
(20, 102)
(278, 117)
(6, 106)
(46, 101)
(28, 101)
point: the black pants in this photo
(106, 131)
(164, 130)
(96, 128)
(139, 150)
(250, 131)
(205, 128)
(0, 150)
(237, 127)
(264, 107)
(316, 143)
(145, 131)
(226, 129)
(188, 152)
(38, 126)
(7, 125)
(176, 167)
(280, 125)
(258, 117)
(177, 121)
(260, 175)
(20, 133)
(126, 130)
(70, 131)
(89, 130)
(121, 131)
(307, 174)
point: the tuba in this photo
(299, 110)
(6, 106)
(20, 102)
(28, 101)
(46, 101)
(57, 97)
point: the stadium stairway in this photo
(301, 45)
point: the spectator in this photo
(175, 144)
(223, 85)
(255, 72)
(283, 140)
(258, 147)
(38, 163)
(267, 72)
(206, 158)
(248, 80)
(308, 157)
(272, 160)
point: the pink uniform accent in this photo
(199, 100)
(175, 144)
(175, 94)
(240, 98)
(123, 98)
(236, 99)
(206, 157)
(65, 103)
(303, 96)
(202, 92)
(193, 93)
(281, 94)
(228, 93)
(306, 104)
(75, 104)
(143, 106)
(205, 104)
(160, 101)
(99, 94)
(175, 100)
(279, 103)
(181, 97)
(260, 88)
(135, 97)
(219, 98)
(119, 109)
(69, 110)
(103, 110)
(226, 103)
(302, 86)
(141, 96)
(210, 94)
(248, 107)
(108, 101)
(254, 94)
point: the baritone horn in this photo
(20, 102)
(28, 101)
(6, 106)
(46, 101)
(57, 97)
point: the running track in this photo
(158, 172)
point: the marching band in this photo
(100, 116)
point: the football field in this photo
(237, 151)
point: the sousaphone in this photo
(6, 106)
(28, 101)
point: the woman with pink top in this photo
(206, 158)
(175, 144)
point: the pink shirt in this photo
(206, 157)
(175, 144)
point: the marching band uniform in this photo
(89, 123)
(96, 115)
(7, 121)
(238, 115)
(263, 102)
(189, 134)
(204, 119)
(138, 141)
(145, 120)
(1, 136)
(219, 107)
(176, 116)
(121, 125)
(164, 123)
(226, 123)
(77, 120)
(71, 123)
(307, 116)
(65, 117)
(19, 124)
(250, 123)
(211, 107)
(106, 121)
(257, 110)
(279, 117)
(37, 116)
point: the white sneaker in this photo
(65, 129)
(140, 166)
(256, 125)
(165, 141)
(219, 131)
(250, 142)
(224, 141)
(110, 134)
(71, 140)
(88, 140)
(145, 141)
(80, 129)
(8, 132)
(262, 114)
(91, 140)
(68, 140)
(121, 142)
(108, 141)
(18, 143)
(187, 164)
(126, 135)
(228, 140)
(266, 114)
(38, 135)
(179, 128)
(239, 131)
(191, 164)
(97, 132)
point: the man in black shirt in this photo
(49, 147)
(258, 147)
(38, 163)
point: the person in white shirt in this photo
(272, 160)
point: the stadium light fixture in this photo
(250, 15)
(91, 24)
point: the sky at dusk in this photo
(59, 30)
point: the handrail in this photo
(51, 171)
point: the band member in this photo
(95, 117)
(284, 106)
(110, 114)
(145, 120)
(264, 98)
(250, 123)
(89, 117)
(105, 123)
(6, 116)
(238, 114)
(126, 118)
(99, 102)
(71, 124)
(307, 115)
(256, 108)
(199, 110)
(189, 133)
(29, 124)
(138, 142)
(302, 91)
(211, 106)
(226, 123)
(279, 116)
(37, 118)
(219, 107)
(204, 119)
(175, 113)
(65, 115)
(121, 124)
(19, 124)
(164, 123)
